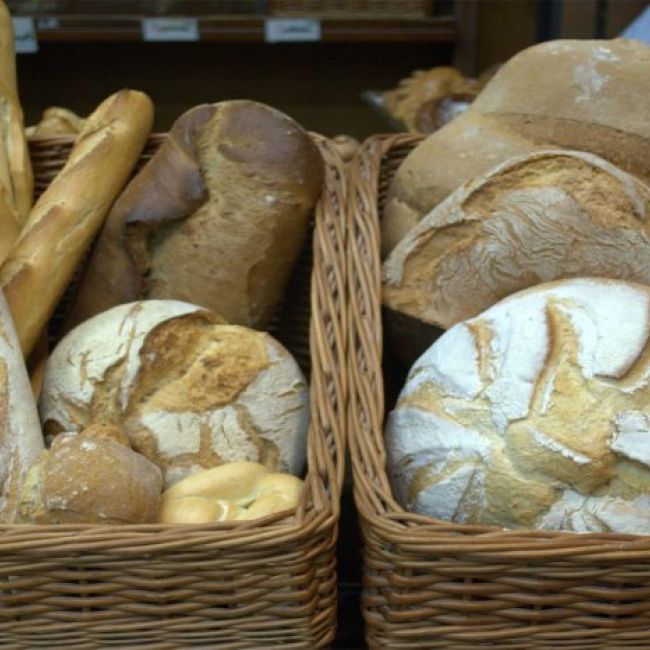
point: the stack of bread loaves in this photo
(533, 408)
(166, 401)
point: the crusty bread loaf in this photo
(467, 147)
(535, 218)
(217, 218)
(584, 95)
(21, 439)
(68, 215)
(90, 479)
(56, 121)
(16, 181)
(233, 491)
(534, 414)
(190, 392)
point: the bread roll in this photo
(16, 180)
(89, 479)
(57, 121)
(190, 392)
(584, 95)
(540, 217)
(234, 491)
(217, 218)
(535, 414)
(68, 215)
(21, 439)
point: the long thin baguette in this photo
(68, 215)
(16, 181)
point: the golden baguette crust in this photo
(71, 211)
(16, 181)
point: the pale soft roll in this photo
(190, 392)
(234, 491)
(534, 414)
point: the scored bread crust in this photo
(68, 215)
(216, 218)
(576, 94)
(190, 391)
(536, 218)
(534, 414)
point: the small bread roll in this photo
(189, 391)
(231, 492)
(83, 479)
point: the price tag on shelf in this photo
(291, 30)
(170, 29)
(25, 34)
(48, 22)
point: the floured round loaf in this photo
(536, 218)
(588, 95)
(190, 392)
(216, 218)
(534, 414)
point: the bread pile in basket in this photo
(516, 284)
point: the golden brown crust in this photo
(193, 225)
(69, 213)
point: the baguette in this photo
(71, 211)
(16, 181)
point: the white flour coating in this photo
(271, 412)
(21, 441)
(445, 445)
(589, 80)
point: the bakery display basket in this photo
(259, 584)
(435, 584)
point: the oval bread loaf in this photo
(536, 218)
(587, 95)
(217, 217)
(190, 392)
(534, 414)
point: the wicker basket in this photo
(266, 584)
(344, 8)
(434, 584)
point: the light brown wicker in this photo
(434, 584)
(264, 584)
(343, 8)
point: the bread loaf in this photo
(16, 181)
(190, 392)
(217, 218)
(92, 478)
(575, 94)
(68, 215)
(234, 491)
(535, 414)
(540, 217)
(56, 121)
(21, 439)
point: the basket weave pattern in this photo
(263, 584)
(436, 584)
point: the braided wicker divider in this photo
(262, 584)
(435, 584)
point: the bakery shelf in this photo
(59, 21)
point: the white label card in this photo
(25, 35)
(170, 29)
(291, 30)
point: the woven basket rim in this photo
(375, 503)
(320, 504)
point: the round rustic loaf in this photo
(91, 477)
(534, 414)
(579, 94)
(540, 217)
(190, 391)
